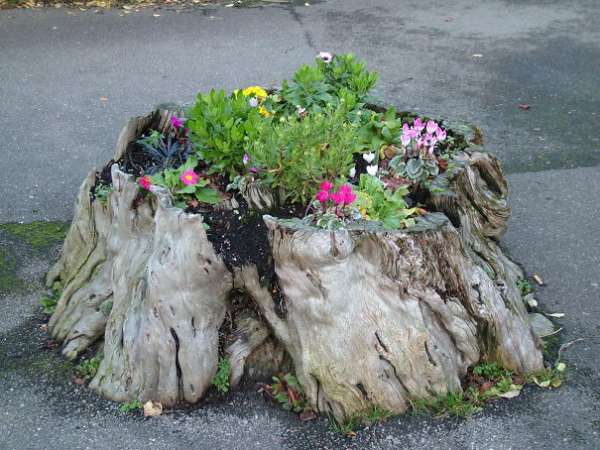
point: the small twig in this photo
(566, 345)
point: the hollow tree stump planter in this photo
(368, 317)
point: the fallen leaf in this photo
(538, 279)
(561, 366)
(305, 416)
(485, 387)
(78, 381)
(44, 327)
(511, 394)
(524, 106)
(531, 301)
(543, 384)
(152, 409)
(103, 99)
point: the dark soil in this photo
(240, 235)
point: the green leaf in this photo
(207, 195)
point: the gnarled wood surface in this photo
(368, 317)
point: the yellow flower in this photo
(264, 111)
(255, 91)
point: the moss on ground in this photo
(38, 235)
(8, 271)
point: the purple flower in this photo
(253, 170)
(177, 122)
(246, 158)
(253, 102)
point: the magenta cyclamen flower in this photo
(322, 196)
(337, 198)
(189, 177)
(144, 182)
(326, 186)
(348, 196)
(177, 122)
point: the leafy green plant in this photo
(286, 391)
(380, 129)
(549, 377)
(184, 189)
(384, 205)
(128, 407)
(346, 72)
(524, 286)
(88, 368)
(221, 378)
(220, 127)
(49, 302)
(102, 192)
(338, 80)
(491, 371)
(295, 156)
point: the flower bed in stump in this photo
(300, 230)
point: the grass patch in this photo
(368, 418)
(38, 235)
(128, 407)
(88, 368)
(455, 404)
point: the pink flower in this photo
(441, 134)
(176, 122)
(326, 186)
(189, 177)
(144, 182)
(406, 135)
(253, 170)
(337, 198)
(431, 127)
(322, 196)
(418, 125)
(347, 195)
(246, 158)
(326, 56)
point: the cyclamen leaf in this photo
(207, 195)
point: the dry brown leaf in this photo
(152, 409)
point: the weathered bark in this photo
(368, 317)
(381, 318)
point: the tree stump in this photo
(368, 317)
